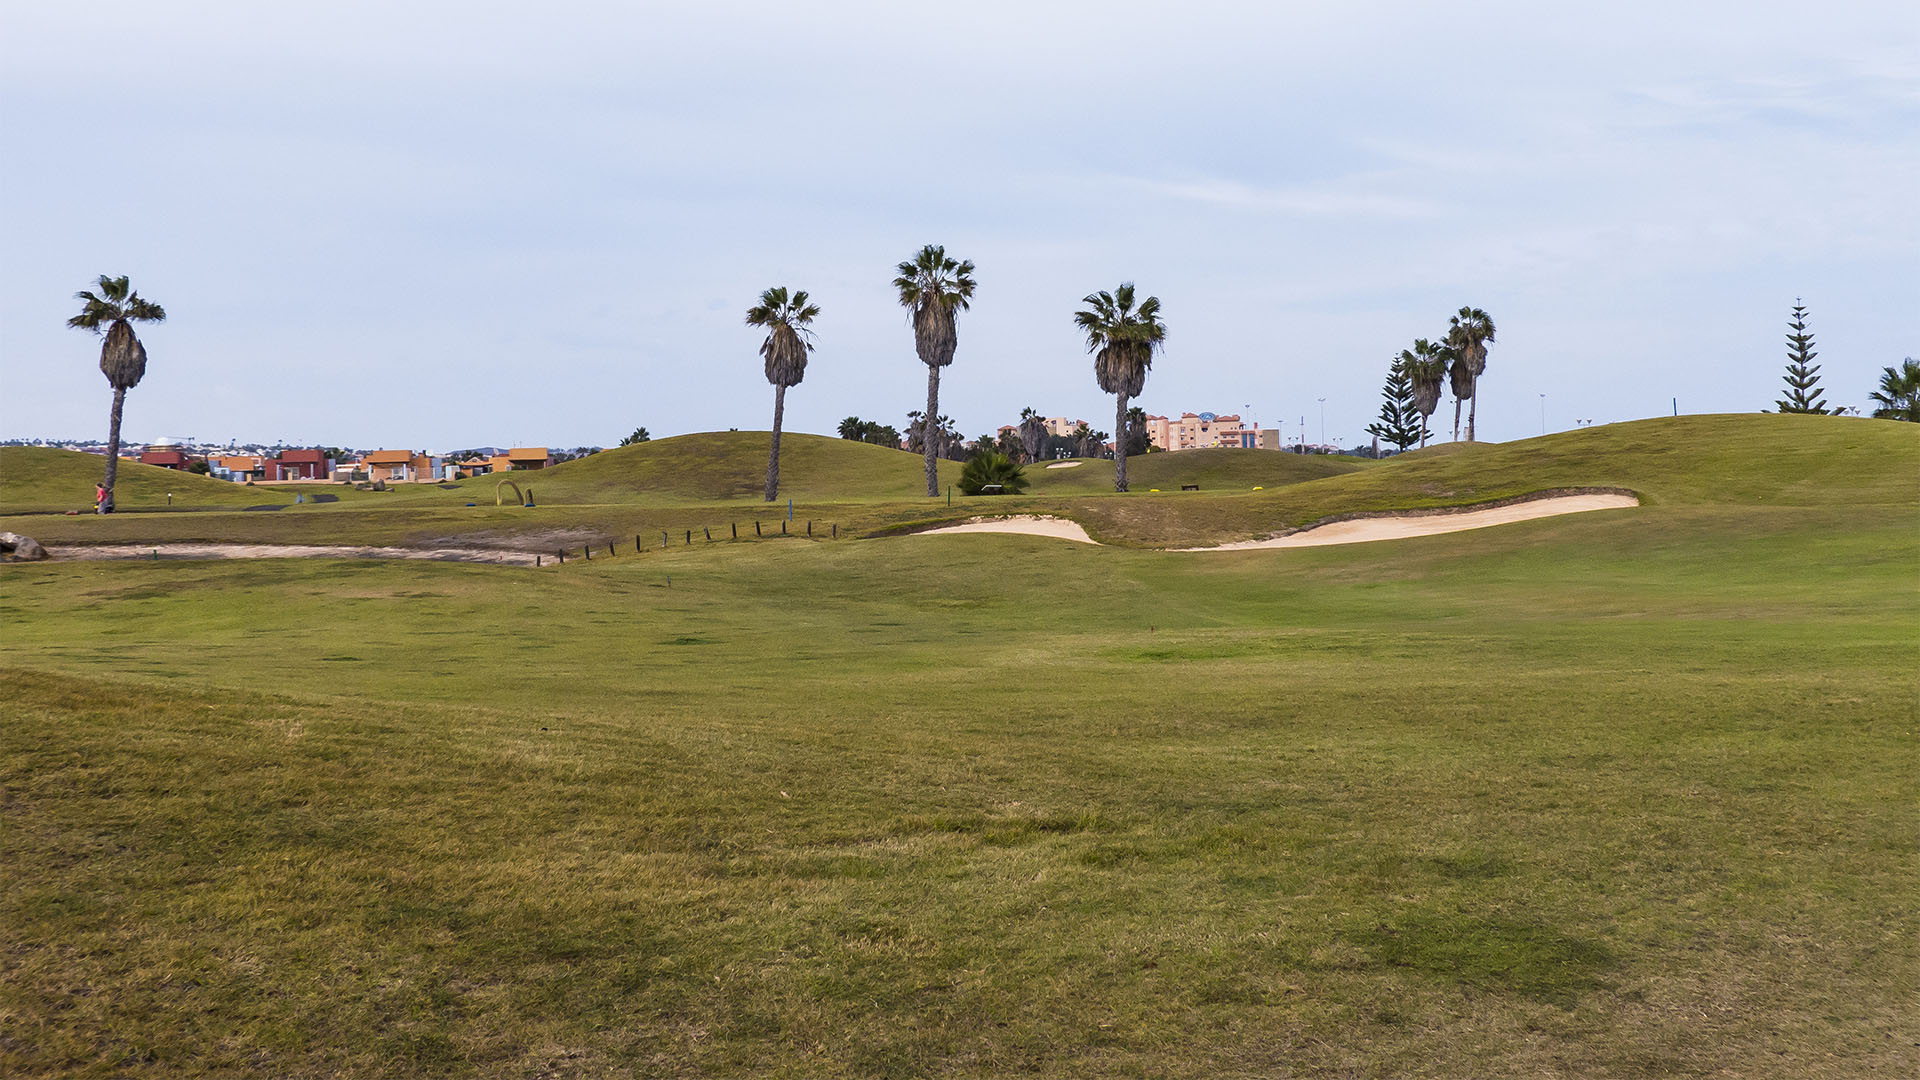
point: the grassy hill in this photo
(1734, 459)
(729, 466)
(39, 478)
(1213, 470)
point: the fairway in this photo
(1626, 793)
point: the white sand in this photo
(1400, 527)
(1357, 531)
(1066, 464)
(288, 551)
(1025, 525)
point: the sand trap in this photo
(1402, 526)
(1355, 531)
(1024, 524)
(287, 551)
(1066, 464)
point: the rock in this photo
(17, 548)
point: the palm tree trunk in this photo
(1456, 419)
(113, 450)
(773, 459)
(1473, 407)
(930, 430)
(1120, 443)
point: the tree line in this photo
(1123, 333)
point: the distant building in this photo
(167, 459)
(1197, 431)
(298, 465)
(399, 466)
(238, 468)
(1062, 427)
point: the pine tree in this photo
(1803, 375)
(1400, 420)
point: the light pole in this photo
(1323, 421)
(1543, 414)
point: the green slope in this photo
(726, 466)
(39, 478)
(1736, 459)
(1211, 470)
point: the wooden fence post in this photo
(536, 561)
(563, 556)
(736, 530)
(809, 528)
(709, 533)
(836, 531)
(689, 536)
(783, 526)
(587, 550)
(756, 526)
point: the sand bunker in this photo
(1066, 464)
(1431, 523)
(1024, 524)
(287, 551)
(1359, 530)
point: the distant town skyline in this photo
(417, 226)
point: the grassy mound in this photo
(1213, 470)
(38, 478)
(1736, 459)
(728, 466)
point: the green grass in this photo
(38, 479)
(1621, 794)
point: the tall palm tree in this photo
(1469, 333)
(1426, 367)
(935, 289)
(789, 340)
(123, 360)
(1123, 340)
(1033, 433)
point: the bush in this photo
(987, 469)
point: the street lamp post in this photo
(1323, 421)
(1543, 414)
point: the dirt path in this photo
(286, 551)
(1354, 531)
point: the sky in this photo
(441, 225)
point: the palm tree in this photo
(1123, 340)
(1469, 333)
(123, 360)
(1033, 433)
(934, 288)
(785, 351)
(1426, 367)
(1899, 393)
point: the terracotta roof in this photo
(389, 457)
(527, 453)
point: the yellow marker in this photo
(1257, 487)
(1152, 490)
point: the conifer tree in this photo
(1803, 375)
(1400, 421)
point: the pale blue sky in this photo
(470, 223)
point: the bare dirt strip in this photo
(1355, 530)
(288, 551)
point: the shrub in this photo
(988, 468)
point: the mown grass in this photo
(1724, 460)
(1621, 794)
(39, 479)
